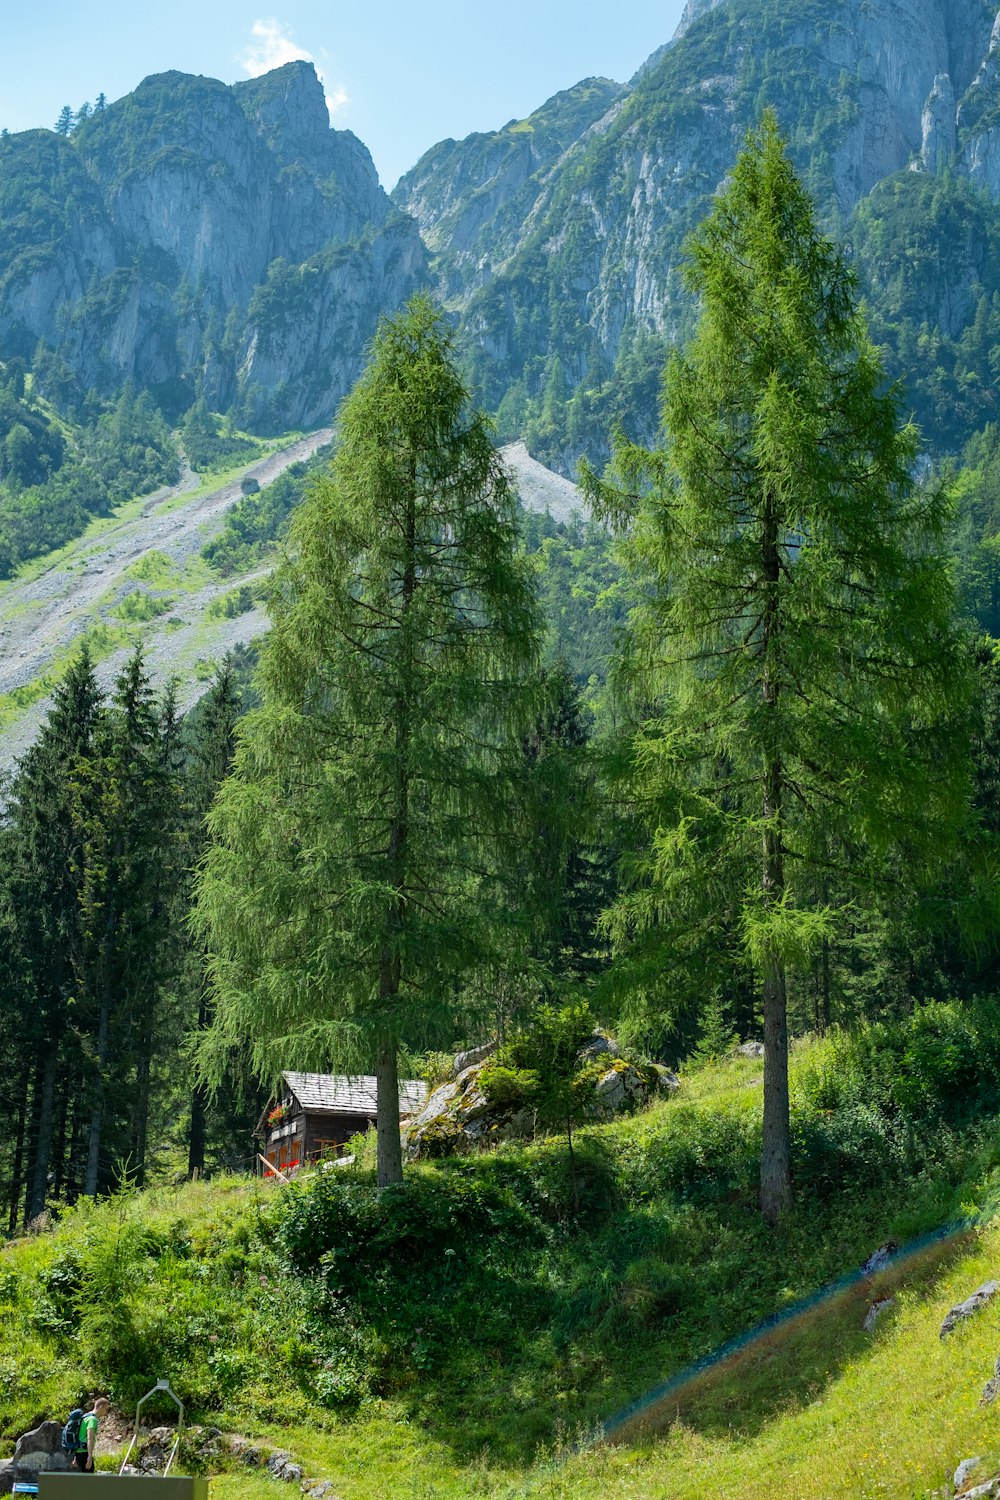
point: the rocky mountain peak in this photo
(288, 108)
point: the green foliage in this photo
(774, 538)
(257, 522)
(479, 1303)
(209, 447)
(50, 488)
(393, 685)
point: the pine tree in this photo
(347, 886)
(797, 620)
(64, 124)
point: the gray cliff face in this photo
(979, 120)
(189, 197)
(471, 197)
(865, 89)
(938, 125)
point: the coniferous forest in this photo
(657, 847)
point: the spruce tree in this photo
(347, 887)
(124, 806)
(42, 880)
(211, 745)
(795, 624)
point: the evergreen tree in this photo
(64, 124)
(348, 884)
(212, 744)
(42, 880)
(125, 795)
(796, 625)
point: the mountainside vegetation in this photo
(460, 1337)
(701, 778)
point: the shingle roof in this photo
(331, 1094)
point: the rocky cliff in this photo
(203, 238)
(200, 239)
(563, 281)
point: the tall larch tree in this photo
(348, 884)
(795, 616)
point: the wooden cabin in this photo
(319, 1112)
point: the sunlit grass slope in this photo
(464, 1337)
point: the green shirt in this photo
(88, 1425)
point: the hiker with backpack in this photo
(79, 1436)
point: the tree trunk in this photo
(43, 1147)
(390, 1146)
(21, 1107)
(33, 1130)
(59, 1138)
(141, 1128)
(92, 1175)
(827, 1009)
(776, 1143)
(199, 1105)
(776, 1138)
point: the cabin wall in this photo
(327, 1132)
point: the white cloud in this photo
(272, 47)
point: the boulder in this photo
(979, 1299)
(880, 1258)
(750, 1049)
(41, 1450)
(7, 1474)
(473, 1056)
(992, 1388)
(282, 1466)
(876, 1310)
(619, 1087)
(461, 1114)
(600, 1045)
(988, 1491)
(964, 1472)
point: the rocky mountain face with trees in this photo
(223, 242)
(570, 292)
(203, 240)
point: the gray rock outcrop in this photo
(875, 1312)
(965, 1472)
(973, 1304)
(466, 1111)
(992, 1388)
(41, 1449)
(938, 125)
(473, 1055)
(880, 1258)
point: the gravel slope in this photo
(46, 609)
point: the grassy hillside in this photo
(458, 1338)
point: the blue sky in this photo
(402, 74)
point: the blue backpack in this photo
(71, 1432)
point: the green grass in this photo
(458, 1339)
